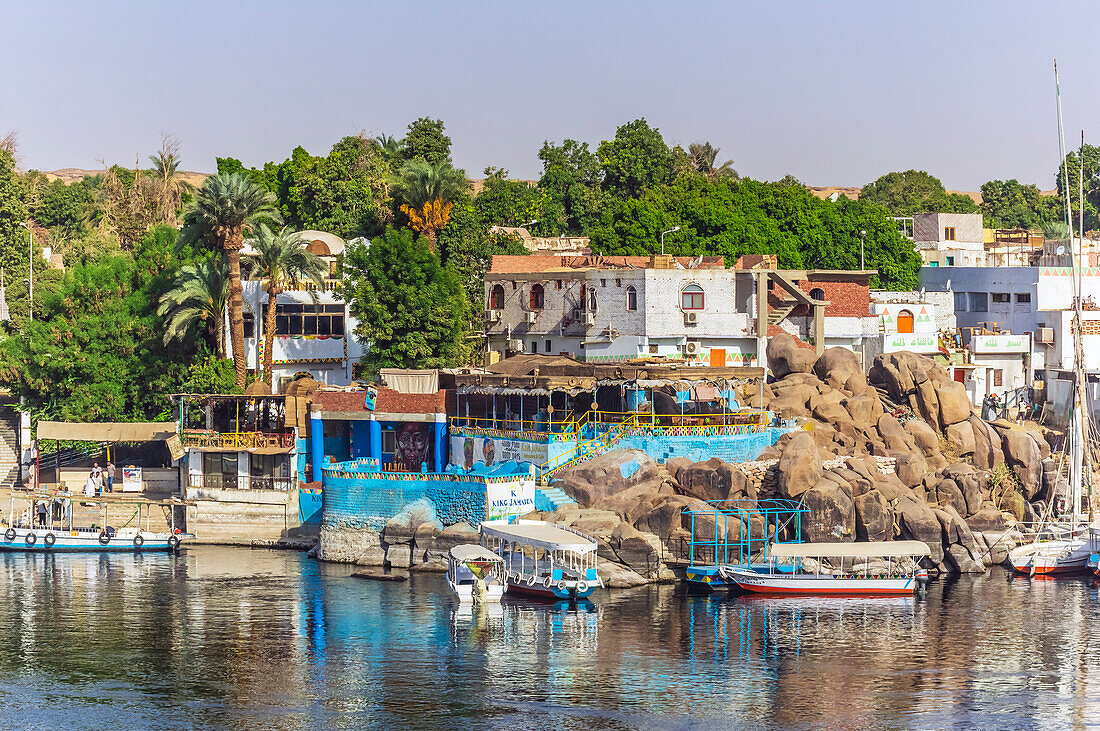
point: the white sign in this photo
(131, 479)
(999, 344)
(912, 342)
(466, 451)
(509, 499)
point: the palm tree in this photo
(224, 206)
(199, 294)
(427, 193)
(169, 188)
(282, 260)
(704, 157)
(390, 146)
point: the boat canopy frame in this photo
(780, 516)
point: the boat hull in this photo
(1051, 558)
(83, 542)
(553, 593)
(820, 585)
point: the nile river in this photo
(230, 637)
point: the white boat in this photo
(845, 569)
(475, 573)
(19, 533)
(543, 559)
(1067, 555)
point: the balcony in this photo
(238, 441)
(218, 481)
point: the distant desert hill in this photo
(824, 191)
(72, 175)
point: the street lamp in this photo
(674, 229)
(862, 236)
(30, 279)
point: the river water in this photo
(232, 637)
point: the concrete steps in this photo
(553, 498)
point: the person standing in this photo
(110, 476)
(89, 485)
(42, 511)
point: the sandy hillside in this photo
(72, 175)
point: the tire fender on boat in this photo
(9, 534)
(50, 539)
(104, 539)
(561, 586)
(583, 586)
(30, 538)
(531, 580)
(138, 541)
(547, 581)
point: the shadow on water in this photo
(218, 638)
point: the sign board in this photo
(175, 446)
(131, 479)
(999, 344)
(369, 399)
(915, 342)
(509, 499)
(466, 451)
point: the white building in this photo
(949, 239)
(314, 329)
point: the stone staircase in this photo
(778, 314)
(9, 445)
(549, 499)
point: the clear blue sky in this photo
(835, 93)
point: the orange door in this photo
(717, 357)
(905, 321)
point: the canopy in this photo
(141, 431)
(874, 549)
(537, 534)
(474, 552)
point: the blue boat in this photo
(542, 559)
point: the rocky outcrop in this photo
(799, 466)
(607, 474)
(786, 355)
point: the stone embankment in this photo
(893, 454)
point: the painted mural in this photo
(413, 444)
(467, 451)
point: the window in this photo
(905, 321)
(295, 319)
(691, 298)
(618, 282)
(933, 263)
(1023, 297)
(249, 325)
(631, 298)
(960, 302)
(534, 346)
(558, 283)
(817, 293)
(547, 346)
(979, 302)
(389, 443)
(268, 465)
(536, 297)
(219, 463)
(1001, 297)
(603, 282)
(591, 300)
(949, 233)
(950, 261)
(998, 377)
(496, 299)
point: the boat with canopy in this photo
(852, 569)
(475, 573)
(543, 559)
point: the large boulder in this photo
(786, 355)
(911, 468)
(635, 550)
(634, 502)
(1026, 459)
(837, 367)
(874, 519)
(832, 515)
(799, 465)
(970, 484)
(924, 436)
(948, 493)
(893, 435)
(864, 409)
(710, 480)
(608, 474)
(666, 516)
(954, 403)
(918, 522)
(961, 437)
(987, 445)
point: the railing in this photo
(500, 427)
(586, 449)
(328, 285)
(201, 438)
(740, 417)
(218, 481)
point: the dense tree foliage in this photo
(915, 191)
(636, 160)
(1091, 156)
(1008, 204)
(411, 308)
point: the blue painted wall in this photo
(371, 501)
(732, 448)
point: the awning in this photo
(141, 431)
(474, 552)
(875, 549)
(537, 534)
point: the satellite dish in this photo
(1060, 250)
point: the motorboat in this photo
(543, 559)
(880, 568)
(1053, 556)
(475, 573)
(59, 534)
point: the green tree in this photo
(281, 261)
(504, 202)
(1008, 204)
(14, 239)
(427, 141)
(212, 374)
(636, 160)
(223, 208)
(411, 309)
(1091, 156)
(704, 160)
(344, 193)
(467, 245)
(390, 147)
(168, 188)
(199, 296)
(915, 191)
(571, 177)
(426, 193)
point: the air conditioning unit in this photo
(515, 346)
(691, 318)
(589, 319)
(493, 315)
(1044, 335)
(691, 347)
(531, 317)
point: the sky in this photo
(834, 93)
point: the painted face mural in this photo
(468, 452)
(489, 451)
(412, 444)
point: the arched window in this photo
(905, 321)
(536, 297)
(817, 293)
(496, 297)
(631, 298)
(591, 300)
(691, 298)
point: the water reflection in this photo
(235, 637)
